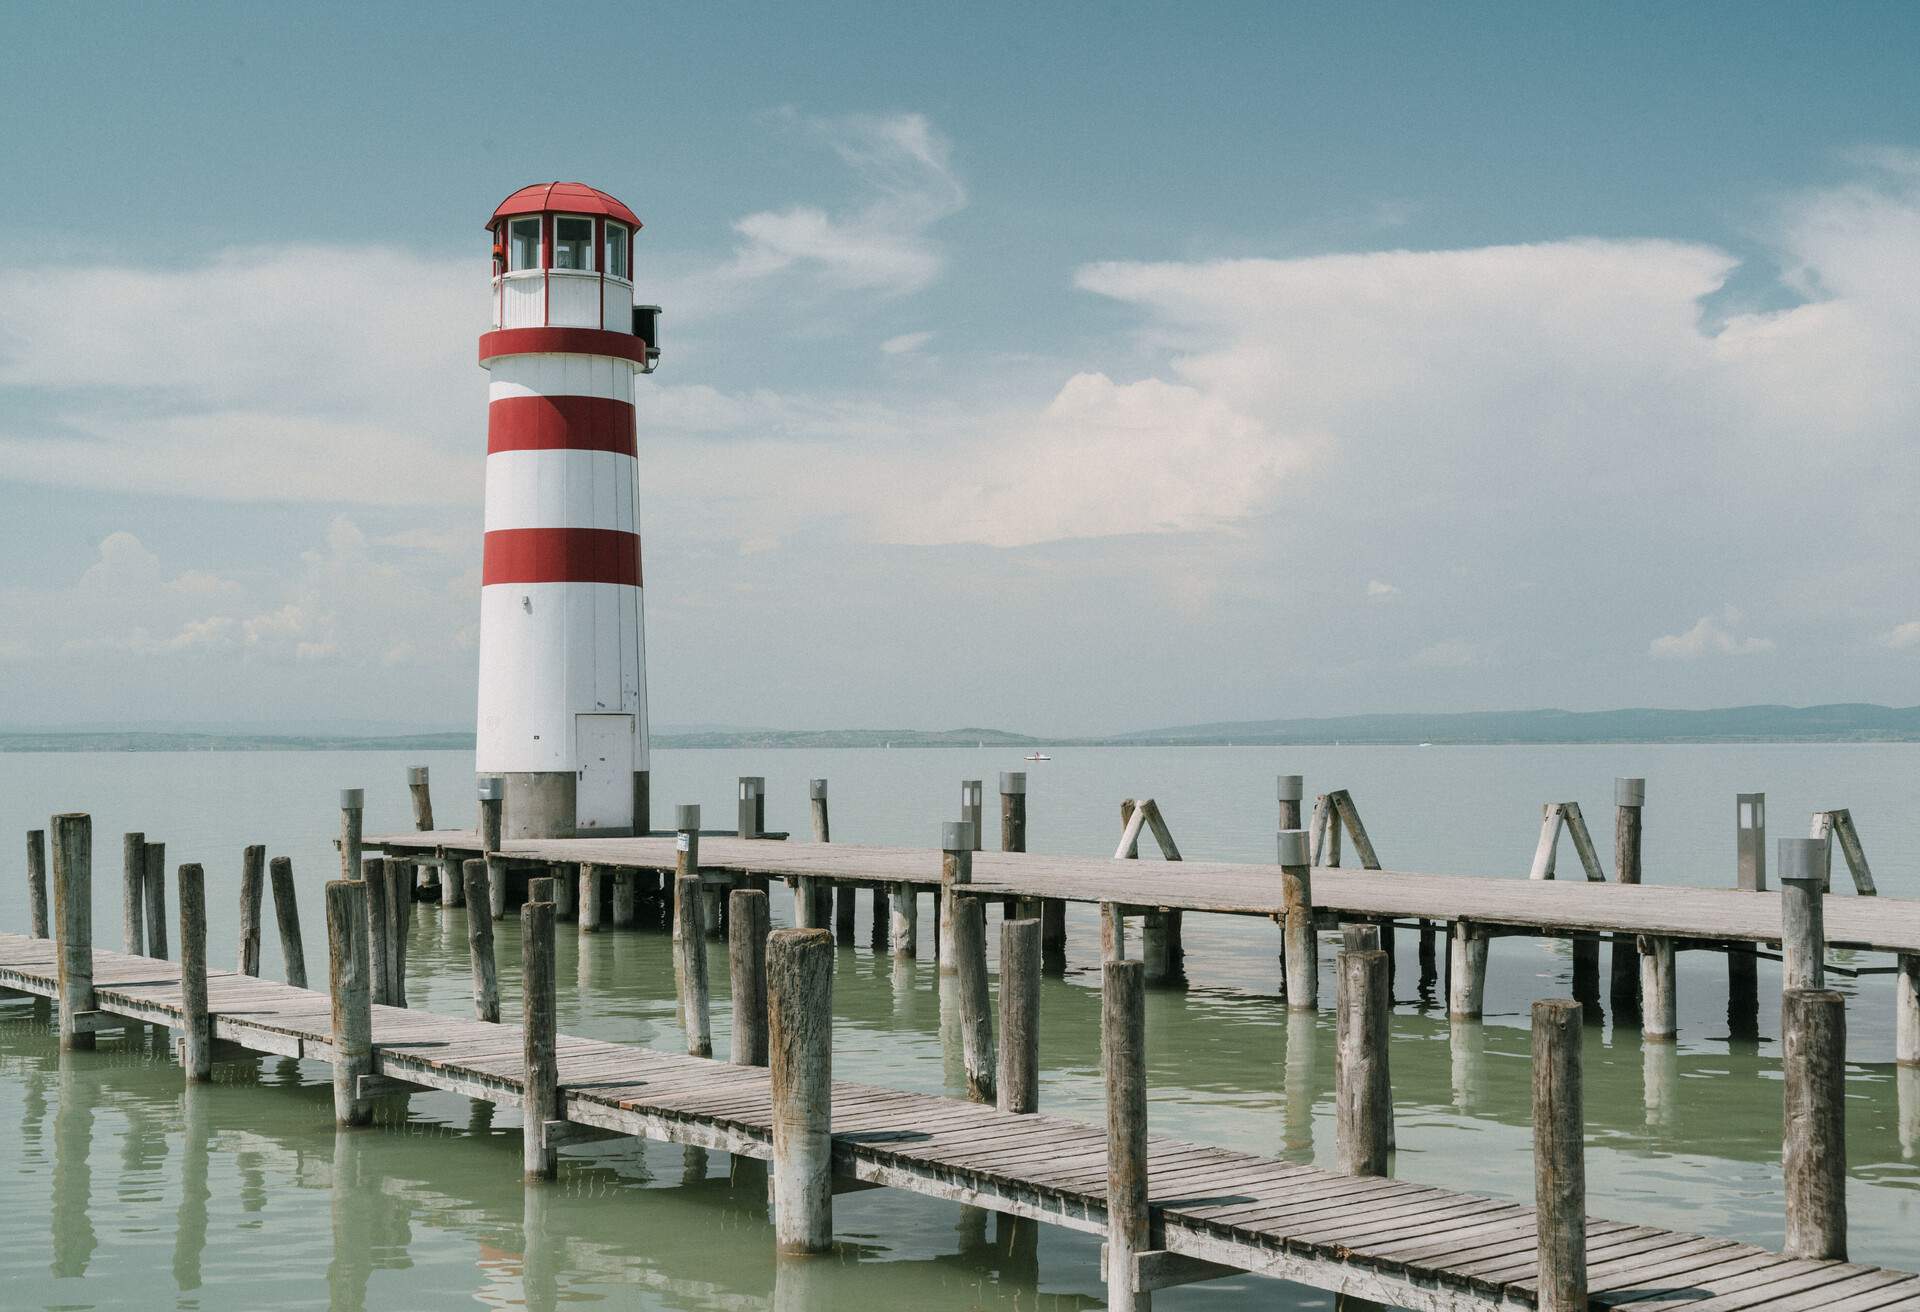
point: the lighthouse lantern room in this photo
(563, 689)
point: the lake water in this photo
(127, 1190)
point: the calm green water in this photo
(125, 1190)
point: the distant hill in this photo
(101, 741)
(845, 738)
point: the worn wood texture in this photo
(1803, 948)
(286, 913)
(486, 980)
(492, 822)
(1559, 1156)
(1813, 1028)
(1466, 970)
(903, 907)
(1017, 1075)
(37, 882)
(540, 1092)
(817, 810)
(197, 1027)
(349, 983)
(1363, 1098)
(497, 878)
(253, 897)
(1906, 1010)
(1123, 1033)
(373, 873)
(748, 924)
(73, 924)
(154, 882)
(352, 821)
(1348, 813)
(956, 872)
(592, 893)
(133, 893)
(626, 898)
(975, 1012)
(800, 1009)
(1301, 943)
(690, 944)
(1624, 988)
(1659, 991)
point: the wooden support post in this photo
(1841, 824)
(133, 894)
(453, 886)
(492, 791)
(800, 1031)
(379, 929)
(486, 981)
(1301, 943)
(497, 877)
(817, 805)
(1292, 790)
(1325, 830)
(1466, 971)
(1113, 931)
(626, 888)
(956, 871)
(1017, 1078)
(904, 909)
(566, 885)
(748, 924)
(253, 906)
(1346, 814)
(1364, 1099)
(1629, 800)
(286, 912)
(349, 978)
(1123, 1034)
(154, 883)
(37, 883)
(1750, 841)
(540, 1098)
(686, 863)
(845, 909)
(691, 944)
(422, 798)
(1659, 1001)
(196, 1025)
(806, 902)
(353, 810)
(1013, 810)
(541, 889)
(1813, 1025)
(1803, 938)
(1559, 1155)
(881, 934)
(753, 806)
(976, 1018)
(592, 880)
(73, 924)
(1546, 852)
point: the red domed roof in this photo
(569, 197)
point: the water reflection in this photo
(190, 1220)
(1303, 1030)
(1467, 1048)
(76, 1094)
(1660, 1078)
(1907, 1082)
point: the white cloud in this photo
(1711, 635)
(1379, 590)
(905, 343)
(1449, 654)
(1903, 636)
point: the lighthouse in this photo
(563, 675)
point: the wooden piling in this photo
(196, 1026)
(592, 881)
(817, 806)
(1559, 1155)
(497, 876)
(353, 809)
(492, 793)
(1301, 943)
(691, 944)
(154, 884)
(1659, 991)
(904, 909)
(1906, 1010)
(73, 925)
(37, 881)
(800, 1006)
(1123, 1033)
(976, 1017)
(1629, 802)
(373, 873)
(253, 897)
(486, 980)
(1466, 971)
(422, 798)
(133, 894)
(626, 889)
(686, 863)
(286, 913)
(1364, 1099)
(956, 871)
(1803, 938)
(540, 1099)
(747, 926)
(1013, 810)
(1813, 1026)
(1017, 1076)
(566, 885)
(349, 978)
(1290, 789)
(881, 935)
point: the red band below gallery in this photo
(561, 555)
(560, 423)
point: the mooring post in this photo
(817, 804)
(1813, 1025)
(956, 871)
(1363, 1100)
(1017, 1078)
(800, 1008)
(592, 881)
(1750, 841)
(498, 874)
(1659, 990)
(626, 888)
(73, 924)
(1302, 960)
(1291, 789)
(422, 797)
(904, 908)
(541, 889)
(566, 883)
(486, 980)
(196, 1028)
(1466, 971)
(753, 806)
(747, 926)
(1123, 1032)
(973, 808)
(349, 977)
(976, 1015)
(154, 882)
(286, 912)
(133, 894)
(691, 944)
(373, 873)
(353, 808)
(1629, 802)
(540, 1106)
(1803, 934)
(453, 888)
(37, 883)
(492, 793)
(253, 898)
(879, 937)
(686, 860)
(1559, 1155)
(1906, 1010)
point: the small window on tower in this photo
(523, 244)
(616, 263)
(572, 243)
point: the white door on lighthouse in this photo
(603, 794)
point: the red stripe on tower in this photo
(561, 555)
(561, 423)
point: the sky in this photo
(1066, 369)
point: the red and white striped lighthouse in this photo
(563, 676)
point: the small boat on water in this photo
(1038, 756)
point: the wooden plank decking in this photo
(1405, 1244)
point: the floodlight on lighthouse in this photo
(563, 698)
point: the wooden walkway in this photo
(1403, 1244)
(1523, 905)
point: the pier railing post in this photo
(747, 927)
(976, 1016)
(1466, 970)
(349, 979)
(1123, 1032)
(73, 924)
(286, 913)
(1301, 943)
(1559, 1155)
(196, 1028)
(133, 894)
(1364, 1099)
(691, 944)
(353, 809)
(800, 1005)
(1803, 936)
(1750, 842)
(1017, 1078)
(253, 900)
(956, 871)
(486, 980)
(37, 883)
(1813, 1025)
(154, 882)
(540, 1105)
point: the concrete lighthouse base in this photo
(539, 805)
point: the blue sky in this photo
(1064, 367)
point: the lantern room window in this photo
(616, 260)
(523, 244)
(572, 243)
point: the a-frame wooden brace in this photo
(1839, 824)
(1331, 813)
(1554, 817)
